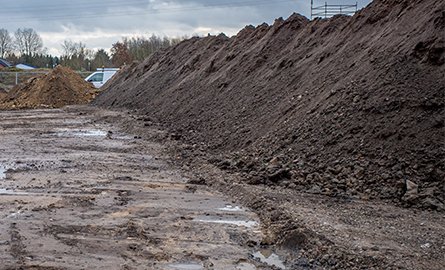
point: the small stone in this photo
(325, 258)
(314, 190)
(274, 163)
(412, 191)
(291, 186)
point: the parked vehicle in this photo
(101, 76)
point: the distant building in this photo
(24, 67)
(4, 64)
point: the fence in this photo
(9, 79)
(328, 11)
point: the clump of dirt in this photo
(349, 106)
(3, 93)
(59, 88)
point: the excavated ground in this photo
(85, 188)
(76, 193)
(312, 231)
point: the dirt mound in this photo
(59, 88)
(350, 106)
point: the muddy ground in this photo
(85, 188)
(76, 193)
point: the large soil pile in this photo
(59, 88)
(350, 106)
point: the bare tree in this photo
(71, 48)
(6, 44)
(76, 55)
(28, 42)
(68, 48)
(141, 47)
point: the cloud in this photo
(99, 23)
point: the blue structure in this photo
(4, 63)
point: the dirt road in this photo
(76, 193)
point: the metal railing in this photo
(9, 79)
(14, 78)
(327, 11)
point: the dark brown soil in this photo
(350, 107)
(59, 88)
(313, 231)
(3, 93)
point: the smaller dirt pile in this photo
(59, 88)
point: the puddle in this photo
(230, 208)
(15, 215)
(82, 133)
(122, 137)
(91, 133)
(270, 258)
(4, 191)
(245, 266)
(244, 223)
(186, 266)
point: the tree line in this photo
(26, 46)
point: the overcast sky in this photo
(99, 23)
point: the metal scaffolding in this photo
(327, 11)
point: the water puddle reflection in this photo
(270, 258)
(82, 133)
(4, 191)
(245, 266)
(230, 208)
(186, 266)
(244, 223)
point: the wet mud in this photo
(76, 193)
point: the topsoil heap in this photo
(59, 88)
(348, 106)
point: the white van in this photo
(101, 76)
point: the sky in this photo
(100, 23)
